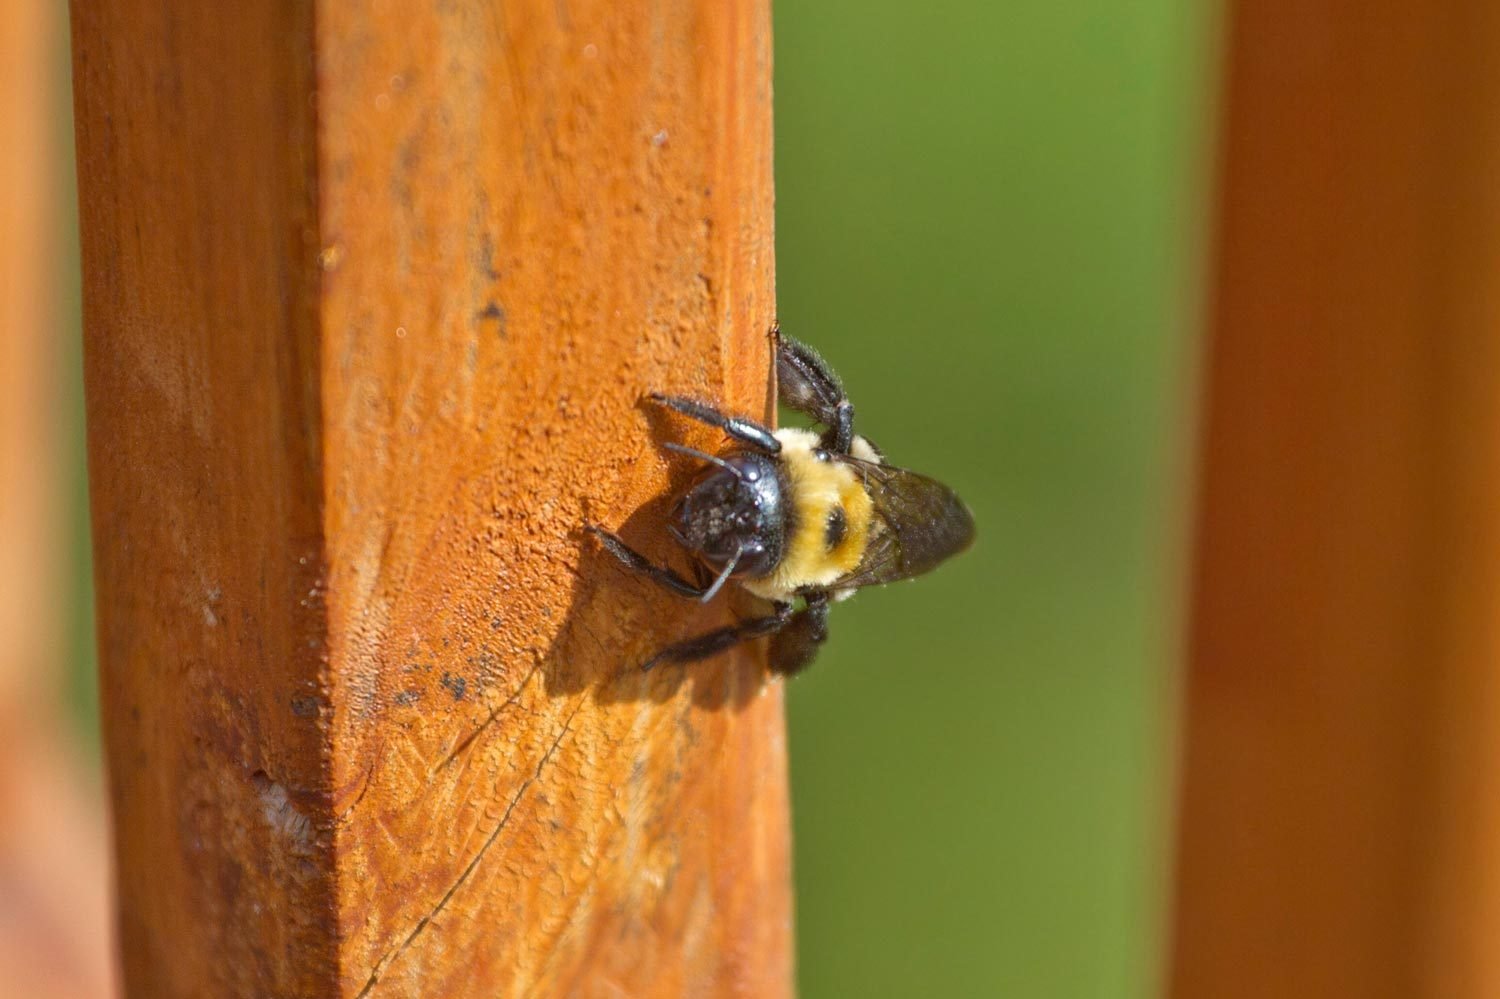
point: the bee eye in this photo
(835, 528)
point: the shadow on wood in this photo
(615, 613)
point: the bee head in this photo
(732, 515)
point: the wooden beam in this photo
(1340, 808)
(371, 293)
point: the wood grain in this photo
(372, 294)
(1339, 814)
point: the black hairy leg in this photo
(797, 644)
(807, 384)
(747, 432)
(636, 562)
(713, 642)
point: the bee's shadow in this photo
(617, 620)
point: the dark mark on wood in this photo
(492, 312)
(468, 740)
(455, 685)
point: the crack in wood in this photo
(391, 956)
(364, 786)
(468, 740)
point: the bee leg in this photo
(807, 384)
(747, 432)
(796, 645)
(716, 641)
(638, 563)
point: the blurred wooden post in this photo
(54, 882)
(371, 292)
(1340, 810)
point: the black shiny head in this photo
(734, 512)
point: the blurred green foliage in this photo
(986, 218)
(83, 684)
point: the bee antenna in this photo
(709, 593)
(711, 458)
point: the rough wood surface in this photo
(1341, 797)
(372, 292)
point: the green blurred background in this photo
(987, 219)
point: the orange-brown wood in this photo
(1340, 823)
(372, 294)
(53, 874)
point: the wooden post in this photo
(371, 294)
(1340, 823)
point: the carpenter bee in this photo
(796, 518)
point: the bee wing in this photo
(922, 523)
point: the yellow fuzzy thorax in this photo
(816, 488)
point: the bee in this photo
(797, 518)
